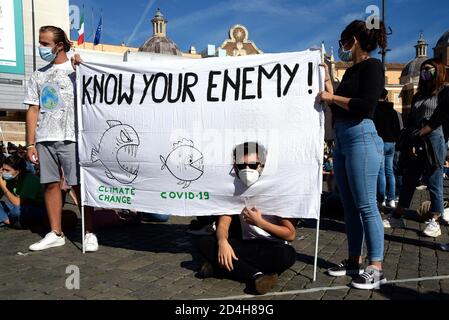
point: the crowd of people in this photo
(374, 159)
(370, 153)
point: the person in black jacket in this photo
(358, 150)
(430, 110)
(388, 128)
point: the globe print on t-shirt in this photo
(50, 99)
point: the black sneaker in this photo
(370, 279)
(345, 268)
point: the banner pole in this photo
(93, 29)
(317, 235)
(315, 263)
(84, 18)
(82, 226)
(79, 128)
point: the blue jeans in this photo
(386, 181)
(155, 217)
(358, 154)
(414, 171)
(21, 216)
(9, 212)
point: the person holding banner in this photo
(251, 247)
(358, 150)
(50, 129)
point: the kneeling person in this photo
(251, 247)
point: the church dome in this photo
(412, 69)
(161, 45)
(444, 40)
(159, 42)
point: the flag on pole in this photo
(81, 30)
(98, 32)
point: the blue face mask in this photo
(8, 176)
(47, 54)
(344, 55)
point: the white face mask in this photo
(249, 176)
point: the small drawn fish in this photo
(117, 152)
(184, 162)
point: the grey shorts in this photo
(57, 155)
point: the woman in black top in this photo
(429, 114)
(358, 150)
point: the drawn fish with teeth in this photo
(184, 162)
(117, 152)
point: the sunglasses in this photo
(242, 166)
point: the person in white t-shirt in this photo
(250, 247)
(51, 134)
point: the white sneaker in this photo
(432, 229)
(391, 204)
(445, 215)
(91, 242)
(392, 222)
(49, 241)
(381, 204)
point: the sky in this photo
(274, 25)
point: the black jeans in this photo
(254, 256)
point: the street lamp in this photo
(384, 51)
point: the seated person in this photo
(250, 247)
(23, 204)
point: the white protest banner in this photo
(159, 137)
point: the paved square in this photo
(159, 261)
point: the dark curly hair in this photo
(16, 162)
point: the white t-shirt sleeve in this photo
(32, 92)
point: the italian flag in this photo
(81, 31)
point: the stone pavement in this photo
(159, 261)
